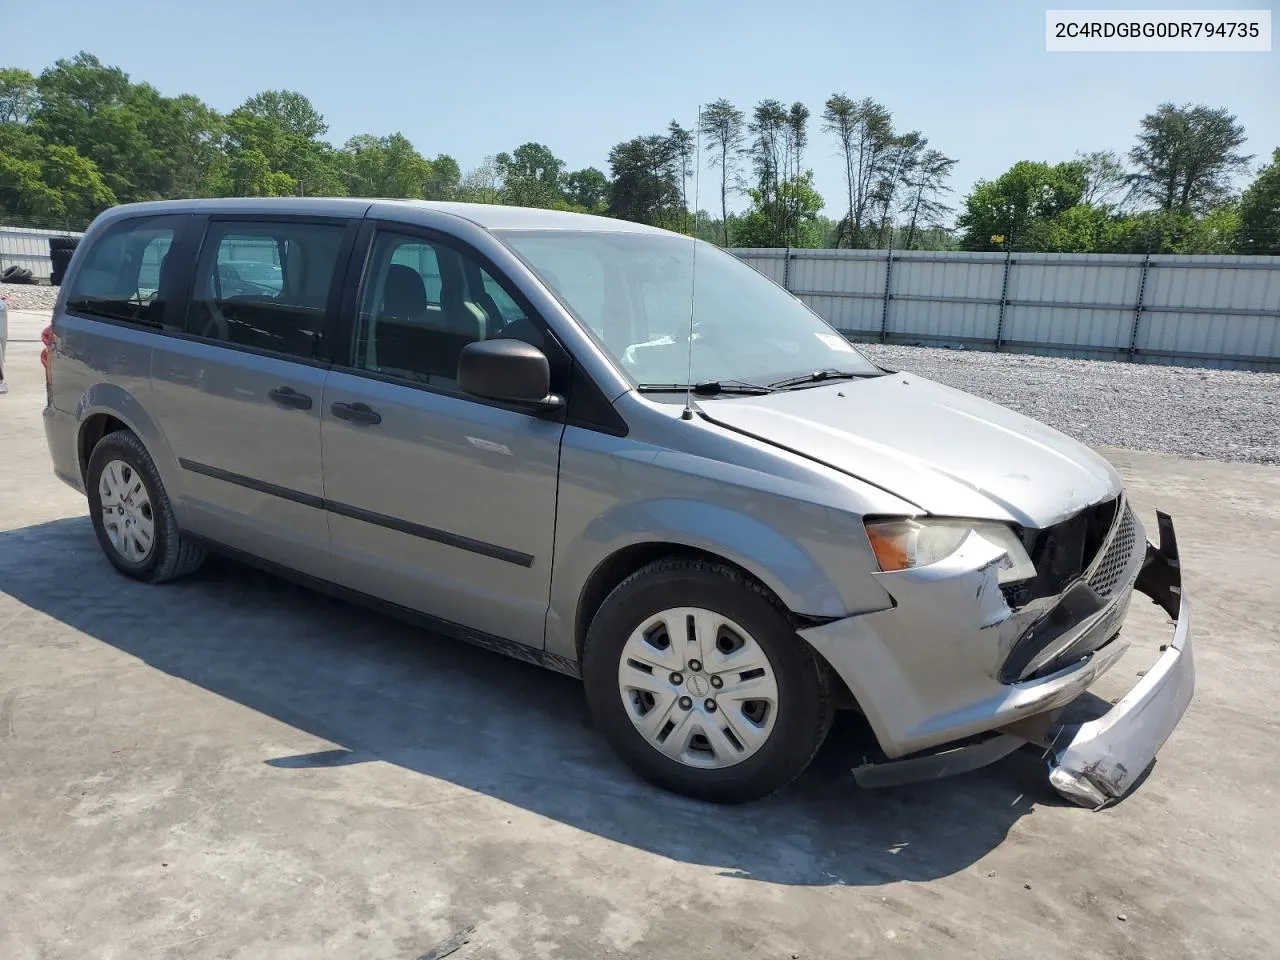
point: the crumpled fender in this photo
(924, 671)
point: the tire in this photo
(16, 274)
(170, 554)
(60, 260)
(787, 734)
(63, 243)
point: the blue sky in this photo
(472, 79)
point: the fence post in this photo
(884, 312)
(1138, 307)
(1004, 295)
(786, 271)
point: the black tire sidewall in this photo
(803, 711)
(122, 445)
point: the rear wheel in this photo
(696, 677)
(131, 513)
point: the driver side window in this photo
(422, 302)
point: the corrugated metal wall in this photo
(1201, 311)
(28, 247)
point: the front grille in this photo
(1110, 571)
(1063, 552)
(1093, 587)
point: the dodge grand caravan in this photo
(534, 431)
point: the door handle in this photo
(289, 397)
(356, 412)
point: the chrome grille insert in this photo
(1110, 569)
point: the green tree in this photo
(1109, 184)
(145, 145)
(864, 131)
(19, 98)
(723, 125)
(1187, 156)
(1020, 203)
(902, 157)
(682, 149)
(1216, 232)
(384, 167)
(587, 188)
(531, 176)
(1080, 229)
(86, 106)
(839, 118)
(445, 179)
(923, 208)
(48, 181)
(1174, 231)
(759, 226)
(768, 129)
(249, 173)
(182, 145)
(644, 185)
(284, 128)
(483, 184)
(1259, 231)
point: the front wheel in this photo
(696, 677)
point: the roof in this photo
(493, 216)
(489, 216)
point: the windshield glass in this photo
(633, 292)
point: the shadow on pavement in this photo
(380, 690)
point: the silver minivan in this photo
(619, 453)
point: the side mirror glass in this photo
(508, 370)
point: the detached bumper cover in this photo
(1096, 763)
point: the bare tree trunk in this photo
(724, 191)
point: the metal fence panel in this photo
(28, 247)
(771, 263)
(941, 300)
(1203, 311)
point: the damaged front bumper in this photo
(932, 672)
(1098, 762)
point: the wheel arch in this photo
(92, 429)
(625, 561)
(107, 407)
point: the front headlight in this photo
(900, 543)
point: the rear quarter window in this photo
(121, 276)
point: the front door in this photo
(240, 394)
(438, 501)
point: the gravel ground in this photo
(1187, 411)
(28, 296)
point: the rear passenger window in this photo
(122, 274)
(265, 285)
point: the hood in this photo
(948, 452)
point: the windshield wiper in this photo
(817, 376)
(708, 388)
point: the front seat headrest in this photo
(404, 295)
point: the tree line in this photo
(82, 136)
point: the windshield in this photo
(633, 292)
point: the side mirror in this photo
(509, 370)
